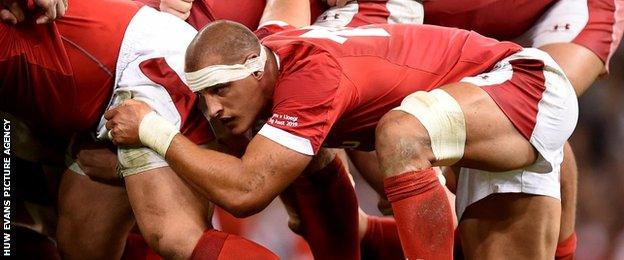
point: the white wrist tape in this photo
(157, 133)
(444, 120)
(218, 74)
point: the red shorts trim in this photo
(525, 89)
(194, 125)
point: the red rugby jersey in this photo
(334, 85)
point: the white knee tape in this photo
(444, 120)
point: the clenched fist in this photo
(12, 11)
(124, 121)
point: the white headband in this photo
(218, 74)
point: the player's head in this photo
(225, 63)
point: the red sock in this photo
(566, 248)
(381, 240)
(422, 213)
(328, 212)
(229, 223)
(215, 244)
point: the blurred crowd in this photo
(598, 142)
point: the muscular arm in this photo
(241, 186)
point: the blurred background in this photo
(597, 142)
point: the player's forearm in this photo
(224, 179)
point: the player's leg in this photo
(94, 218)
(569, 179)
(584, 37)
(581, 65)
(423, 214)
(583, 51)
(494, 141)
(511, 226)
(568, 193)
(368, 166)
(323, 208)
(170, 215)
(176, 221)
(379, 238)
(476, 219)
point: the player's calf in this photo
(428, 129)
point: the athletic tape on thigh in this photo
(218, 74)
(443, 118)
(137, 160)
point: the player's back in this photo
(381, 64)
(246, 12)
(93, 32)
(501, 19)
(70, 93)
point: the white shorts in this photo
(560, 23)
(595, 24)
(74, 167)
(151, 54)
(357, 13)
(542, 105)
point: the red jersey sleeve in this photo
(303, 116)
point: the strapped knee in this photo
(444, 120)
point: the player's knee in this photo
(401, 144)
(394, 129)
(432, 123)
(171, 244)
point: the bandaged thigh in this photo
(444, 120)
(137, 160)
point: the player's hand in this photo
(99, 163)
(179, 8)
(124, 120)
(339, 3)
(11, 11)
(52, 9)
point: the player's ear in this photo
(258, 75)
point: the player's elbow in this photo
(246, 205)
